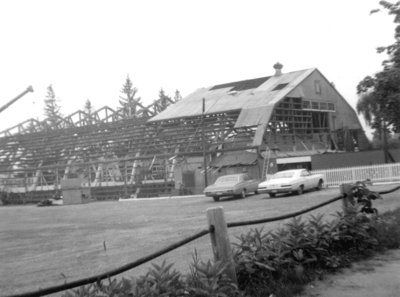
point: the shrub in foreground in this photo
(275, 262)
(281, 262)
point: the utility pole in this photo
(204, 143)
(384, 134)
(385, 142)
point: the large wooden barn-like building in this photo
(258, 125)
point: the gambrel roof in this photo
(255, 98)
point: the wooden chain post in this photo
(348, 199)
(220, 241)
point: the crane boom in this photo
(28, 89)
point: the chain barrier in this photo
(173, 246)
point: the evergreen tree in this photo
(178, 96)
(31, 128)
(163, 100)
(88, 108)
(51, 108)
(128, 100)
(163, 97)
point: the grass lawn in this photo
(45, 246)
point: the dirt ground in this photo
(376, 277)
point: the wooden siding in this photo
(345, 116)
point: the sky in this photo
(85, 49)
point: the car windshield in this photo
(227, 179)
(283, 175)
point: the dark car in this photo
(232, 185)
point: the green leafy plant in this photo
(160, 280)
(208, 279)
(109, 288)
(387, 228)
(353, 234)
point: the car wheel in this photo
(272, 195)
(256, 192)
(243, 193)
(300, 190)
(320, 184)
(216, 198)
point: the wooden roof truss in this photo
(86, 149)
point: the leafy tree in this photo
(128, 100)
(51, 108)
(379, 95)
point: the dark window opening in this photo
(306, 104)
(242, 85)
(315, 105)
(320, 122)
(280, 87)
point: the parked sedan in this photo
(296, 181)
(231, 185)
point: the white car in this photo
(295, 180)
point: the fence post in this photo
(26, 186)
(348, 199)
(391, 172)
(125, 180)
(220, 241)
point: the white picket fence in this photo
(384, 173)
